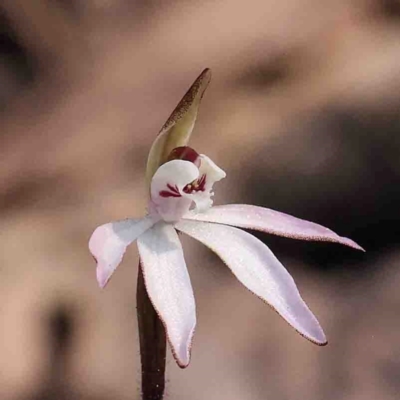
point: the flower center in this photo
(184, 182)
(185, 153)
(198, 185)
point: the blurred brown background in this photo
(302, 113)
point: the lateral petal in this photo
(270, 221)
(108, 244)
(259, 270)
(169, 288)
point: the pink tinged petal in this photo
(259, 270)
(109, 242)
(167, 188)
(270, 221)
(169, 288)
(179, 126)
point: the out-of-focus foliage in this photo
(302, 113)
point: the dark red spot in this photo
(185, 153)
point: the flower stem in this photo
(152, 344)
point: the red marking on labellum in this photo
(172, 192)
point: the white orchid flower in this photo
(181, 182)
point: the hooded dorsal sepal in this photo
(179, 126)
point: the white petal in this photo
(169, 288)
(259, 270)
(270, 221)
(176, 173)
(109, 242)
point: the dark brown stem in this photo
(152, 344)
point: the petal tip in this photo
(319, 339)
(183, 360)
(354, 245)
(183, 353)
(102, 278)
(315, 336)
(183, 365)
(182, 356)
(205, 76)
(102, 285)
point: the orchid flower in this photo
(181, 190)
